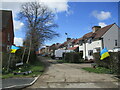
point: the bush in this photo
(32, 57)
(111, 62)
(73, 57)
(5, 57)
(16, 58)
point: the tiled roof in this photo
(99, 33)
(77, 41)
(73, 48)
(55, 45)
(102, 31)
(88, 35)
(65, 43)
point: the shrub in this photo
(111, 62)
(32, 57)
(73, 57)
(5, 57)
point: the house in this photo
(43, 51)
(74, 46)
(67, 44)
(53, 47)
(6, 30)
(98, 39)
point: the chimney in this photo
(68, 39)
(95, 28)
(57, 43)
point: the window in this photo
(8, 47)
(8, 36)
(89, 40)
(116, 43)
(80, 42)
(90, 52)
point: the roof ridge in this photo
(108, 25)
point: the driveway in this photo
(72, 76)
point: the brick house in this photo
(6, 30)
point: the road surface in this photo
(72, 76)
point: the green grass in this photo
(99, 70)
(61, 61)
(36, 68)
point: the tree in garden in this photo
(39, 22)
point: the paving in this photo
(72, 76)
(13, 82)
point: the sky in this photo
(74, 18)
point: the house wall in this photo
(0, 41)
(90, 46)
(5, 31)
(119, 37)
(110, 36)
(81, 48)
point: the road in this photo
(13, 82)
(72, 76)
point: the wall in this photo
(9, 29)
(91, 46)
(110, 36)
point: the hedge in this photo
(112, 62)
(16, 58)
(73, 57)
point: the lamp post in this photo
(65, 47)
(66, 34)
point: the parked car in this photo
(116, 49)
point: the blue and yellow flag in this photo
(104, 53)
(14, 49)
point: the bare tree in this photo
(39, 21)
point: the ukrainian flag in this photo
(14, 49)
(104, 53)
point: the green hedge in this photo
(16, 58)
(32, 57)
(112, 62)
(73, 57)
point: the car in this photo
(116, 49)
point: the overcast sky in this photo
(74, 18)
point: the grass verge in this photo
(37, 68)
(61, 61)
(99, 70)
